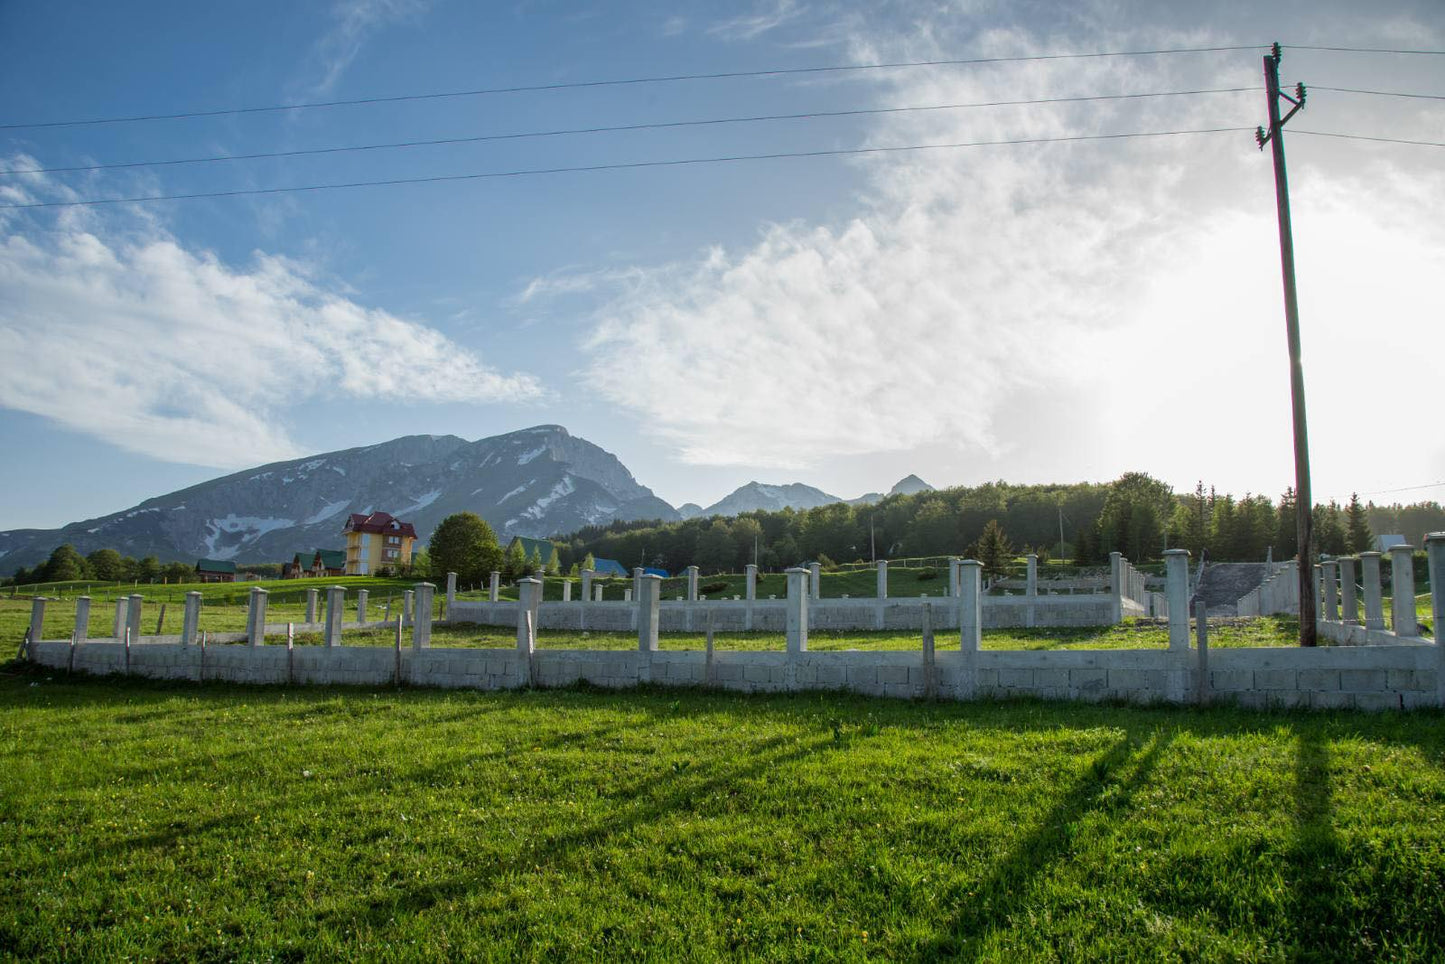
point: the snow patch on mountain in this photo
(565, 487)
(526, 457)
(422, 502)
(327, 511)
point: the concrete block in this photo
(1051, 678)
(1135, 679)
(1362, 680)
(892, 675)
(832, 674)
(730, 673)
(1331, 700)
(859, 676)
(1015, 677)
(1322, 680)
(1089, 681)
(1225, 681)
(1271, 679)
(1378, 702)
(988, 678)
(1402, 679)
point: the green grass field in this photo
(146, 821)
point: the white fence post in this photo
(335, 609)
(494, 586)
(191, 618)
(970, 624)
(132, 615)
(1116, 587)
(1176, 574)
(529, 594)
(752, 582)
(815, 580)
(797, 627)
(311, 595)
(1435, 560)
(1330, 574)
(1031, 590)
(451, 592)
(1349, 599)
(1374, 600)
(1402, 590)
(37, 618)
(692, 583)
(82, 620)
(361, 595)
(255, 617)
(122, 617)
(648, 619)
(421, 625)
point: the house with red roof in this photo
(377, 541)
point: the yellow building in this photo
(377, 541)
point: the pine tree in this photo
(993, 549)
(1357, 526)
(515, 562)
(554, 563)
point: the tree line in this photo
(1136, 515)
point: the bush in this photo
(707, 589)
(926, 574)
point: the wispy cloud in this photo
(353, 23)
(139, 341)
(765, 16)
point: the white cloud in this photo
(979, 295)
(174, 354)
(765, 16)
(353, 22)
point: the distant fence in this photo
(1373, 670)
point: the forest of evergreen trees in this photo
(1135, 514)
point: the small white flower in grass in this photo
(306, 773)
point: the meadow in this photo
(144, 820)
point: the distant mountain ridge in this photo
(535, 482)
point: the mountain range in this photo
(536, 482)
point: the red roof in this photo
(383, 522)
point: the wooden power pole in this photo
(1304, 503)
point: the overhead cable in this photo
(656, 125)
(581, 84)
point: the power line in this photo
(1404, 488)
(1366, 137)
(656, 125)
(1363, 50)
(576, 85)
(621, 166)
(1377, 93)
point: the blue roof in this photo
(608, 567)
(654, 571)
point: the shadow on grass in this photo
(655, 799)
(1317, 926)
(1006, 889)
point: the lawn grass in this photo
(145, 820)
(1132, 634)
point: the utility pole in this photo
(1304, 504)
(872, 542)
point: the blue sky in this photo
(1038, 313)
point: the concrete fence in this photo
(1369, 672)
(1123, 595)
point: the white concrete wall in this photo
(1397, 676)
